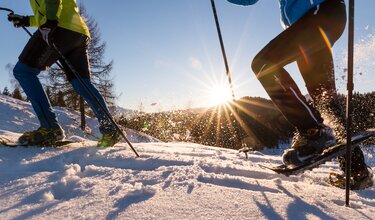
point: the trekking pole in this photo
(349, 107)
(87, 89)
(222, 48)
(236, 111)
(12, 12)
(7, 9)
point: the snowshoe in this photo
(41, 136)
(358, 180)
(337, 150)
(109, 139)
(308, 145)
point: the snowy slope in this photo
(168, 181)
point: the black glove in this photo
(19, 20)
(47, 30)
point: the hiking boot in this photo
(358, 180)
(308, 145)
(109, 139)
(42, 136)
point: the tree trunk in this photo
(82, 110)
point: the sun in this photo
(219, 94)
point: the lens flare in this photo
(325, 37)
(219, 94)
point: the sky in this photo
(167, 54)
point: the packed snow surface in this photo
(167, 181)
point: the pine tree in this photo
(6, 91)
(100, 70)
(17, 94)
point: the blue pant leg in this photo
(105, 124)
(28, 79)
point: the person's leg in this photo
(77, 56)
(287, 97)
(105, 124)
(316, 65)
(98, 105)
(268, 65)
(27, 78)
(35, 57)
(299, 42)
(74, 47)
(318, 74)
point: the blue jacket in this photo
(291, 10)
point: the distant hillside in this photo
(249, 121)
(262, 123)
(127, 113)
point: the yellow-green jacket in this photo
(64, 11)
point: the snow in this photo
(167, 181)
